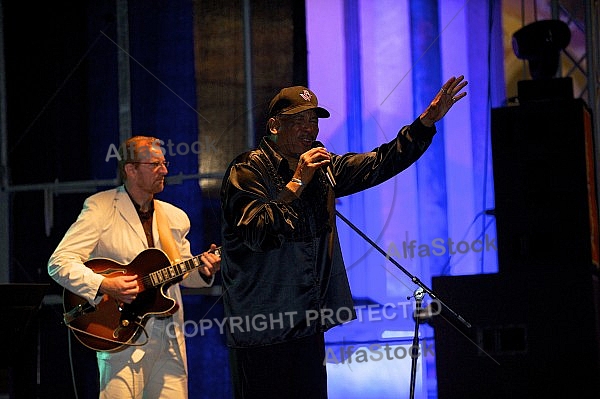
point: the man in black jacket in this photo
(284, 278)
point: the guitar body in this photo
(110, 325)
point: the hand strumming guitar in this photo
(122, 288)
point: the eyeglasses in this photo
(155, 165)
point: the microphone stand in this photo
(414, 349)
(418, 295)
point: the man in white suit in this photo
(119, 224)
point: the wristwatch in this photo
(297, 181)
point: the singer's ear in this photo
(273, 125)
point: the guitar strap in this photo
(166, 237)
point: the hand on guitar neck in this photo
(211, 260)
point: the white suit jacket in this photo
(109, 227)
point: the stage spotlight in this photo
(540, 44)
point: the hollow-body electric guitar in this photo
(110, 325)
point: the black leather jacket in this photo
(281, 261)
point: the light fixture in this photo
(540, 43)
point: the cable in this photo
(71, 364)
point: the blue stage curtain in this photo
(163, 104)
(431, 168)
(355, 204)
(162, 99)
(376, 65)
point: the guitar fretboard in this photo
(174, 271)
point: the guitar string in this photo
(147, 279)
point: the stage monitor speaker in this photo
(19, 305)
(19, 335)
(545, 186)
(532, 335)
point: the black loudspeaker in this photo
(544, 182)
(533, 335)
(19, 335)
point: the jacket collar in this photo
(279, 162)
(125, 206)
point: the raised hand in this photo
(444, 100)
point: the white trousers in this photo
(159, 373)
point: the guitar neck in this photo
(176, 271)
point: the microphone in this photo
(327, 171)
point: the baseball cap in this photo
(295, 99)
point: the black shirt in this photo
(283, 272)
